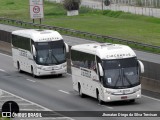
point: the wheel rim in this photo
(99, 100)
(80, 92)
(18, 65)
(33, 73)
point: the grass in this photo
(116, 24)
(3, 118)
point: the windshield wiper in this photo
(47, 58)
(119, 78)
(49, 55)
(55, 58)
(124, 76)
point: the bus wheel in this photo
(132, 101)
(59, 75)
(80, 91)
(19, 68)
(99, 99)
(33, 72)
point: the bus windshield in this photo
(121, 73)
(50, 53)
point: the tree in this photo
(107, 2)
(71, 4)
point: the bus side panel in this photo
(29, 62)
(78, 78)
(24, 58)
(16, 58)
(75, 78)
(89, 84)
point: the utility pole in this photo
(102, 5)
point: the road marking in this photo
(6, 96)
(45, 109)
(2, 70)
(68, 74)
(64, 92)
(42, 107)
(30, 80)
(109, 107)
(151, 98)
(106, 106)
(5, 55)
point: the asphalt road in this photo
(155, 58)
(56, 93)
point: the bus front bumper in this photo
(125, 97)
(41, 72)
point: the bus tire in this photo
(80, 91)
(18, 67)
(59, 75)
(32, 72)
(132, 101)
(98, 98)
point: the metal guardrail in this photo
(72, 31)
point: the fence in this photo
(144, 3)
(142, 7)
(80, 33)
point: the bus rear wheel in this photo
(18, 67)
(80, 91)
(32, 72)
(132, 101)
(59, 75)
(99, 99)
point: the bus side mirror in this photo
(100, 70)
(141, 66)
(67, 48)
(34, 50)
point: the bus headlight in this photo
(107, 91)
(64, 65)
(39, 67)
(138, 96)
(109, 98)
(137, 89)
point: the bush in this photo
(71, 4)
(107, 2)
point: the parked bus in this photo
(39, 52)
(108, 72)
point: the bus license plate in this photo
(126, 91)
(124, 97)
(53, 72)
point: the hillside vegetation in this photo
(117, 24)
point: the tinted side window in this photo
(81, 59)
(21, 42)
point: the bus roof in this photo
(106, 50)
(38, 35)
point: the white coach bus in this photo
(39, 52)
(108, 72)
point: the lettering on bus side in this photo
(118, 55)
(23, 53)
(85, 73)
